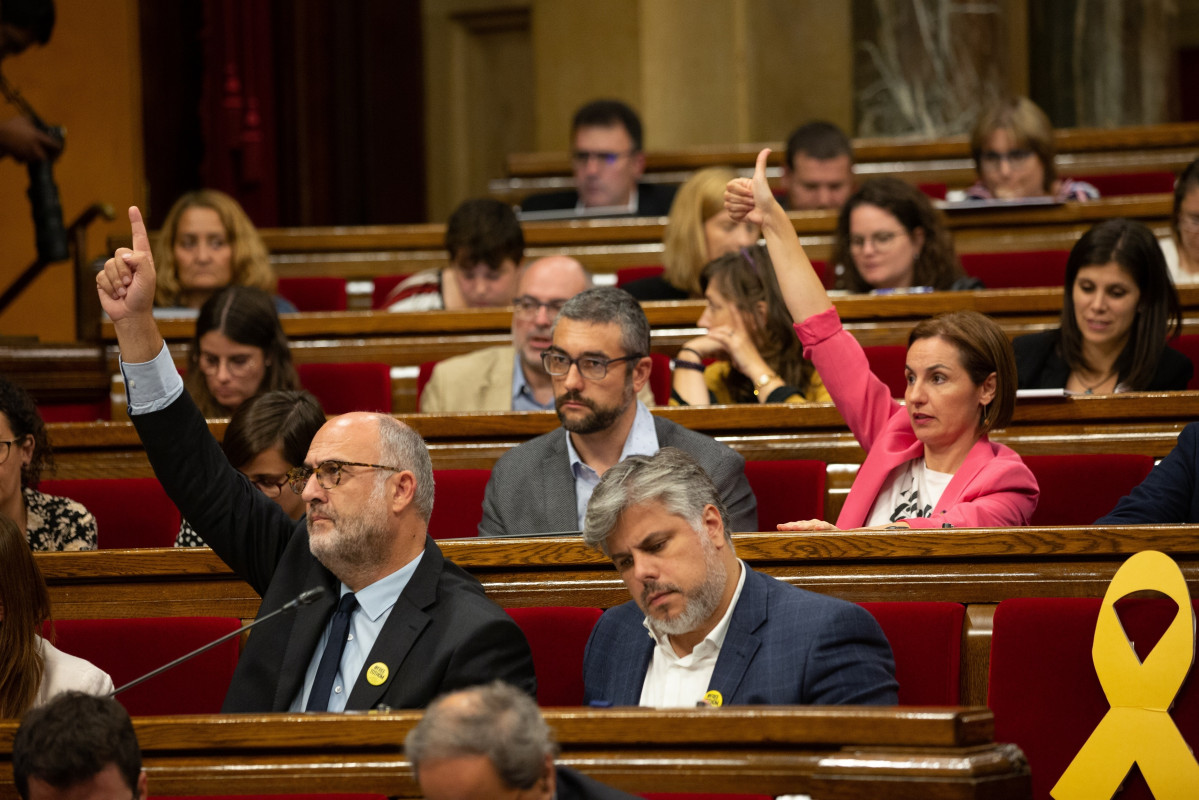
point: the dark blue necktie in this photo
(318, 698)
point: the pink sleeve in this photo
(863, 400)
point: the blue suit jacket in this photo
(785, 646)
(1171, 492)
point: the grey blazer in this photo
(533, 491)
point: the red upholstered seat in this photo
(1131, 183)
(1019, 270)
(75, 412)
(824, 273)
(383, 286)
(926, 640)
(630, 274)
(787, 490)
(557, 635)
(318, 293)
(341, 388)
(1188, 345)
(129, 512)
(887, 362)
(934, 191)
(129, 648)
(1043, 688)
(1078, 489)
(457, 502)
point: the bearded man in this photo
(704, 628)
(397, 624)
(599, 361)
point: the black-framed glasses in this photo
(605, 157)
(8, 443)
(882, 240)
(270, 485)
(328, 474)
(528, 306)
(594, 368)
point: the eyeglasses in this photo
(882, 240)
(270, 485)
(7, 451)
(606, 157)
(527, 306)
(1188, 223)
(238, 365)
(993, 158)
(328, 474)
(593, 368)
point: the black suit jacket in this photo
(572, 785)
(1039, 365)
(442, 634)
(653, 200)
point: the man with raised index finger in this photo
(398, 624)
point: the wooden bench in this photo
(824, 752)
(945, 160)
(1143, 423)
(975, 567)
(364, 252)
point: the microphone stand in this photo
(303, 599)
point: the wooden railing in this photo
(976, 567)
(824, 752)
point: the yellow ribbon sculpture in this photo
(1138, 727)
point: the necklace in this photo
(1091, 389)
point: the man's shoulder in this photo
(572, 785)
(700, 445)
(792, 601)
(527, 454)
(487, 356)
(654, 199)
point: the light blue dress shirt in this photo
(522, 393)
(642, 441)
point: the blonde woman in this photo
(698, 230)
(207, 243)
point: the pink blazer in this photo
(992, 488)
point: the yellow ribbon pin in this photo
(1138, 727)
(714, 698)
(376, 673)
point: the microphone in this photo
(303, 599)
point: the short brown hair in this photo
(1028, 126)
(984, 349)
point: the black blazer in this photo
(1039, 365)
(653, 200)
(442, 634)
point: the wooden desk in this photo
(829, 753)
(605, 245)
(978, 568)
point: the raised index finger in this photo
(141, 242)
(760, 167)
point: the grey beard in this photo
(702, 602)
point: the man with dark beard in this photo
(599, 361)
(718, 632)
(397, 625)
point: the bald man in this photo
(397, 624)
(512, 378)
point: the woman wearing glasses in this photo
(1182, 248)
(697, 231)
(1118, 310)
(207, 243)
(267, 437)
(239, 350)
(929, 462)
(49, 522)
(890, 238)
(758, 359)
(32, 670)
(1013, 151)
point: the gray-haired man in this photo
(491, 742)
(704, 627)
